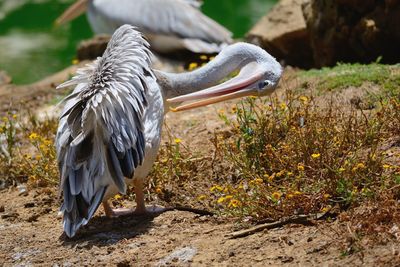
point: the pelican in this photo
(110, 127)
(169, 25)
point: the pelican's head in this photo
(259, 75)
(72, 12)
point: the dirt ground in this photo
(31, 231)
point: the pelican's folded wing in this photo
(100, 138)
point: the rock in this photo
(183, 255)
(11, 215)
(92, 48)
(353, 30)
(33, 218)
(22, 190)
(29, 205)
(283, 33)
(4, 78)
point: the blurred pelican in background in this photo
(169, 25)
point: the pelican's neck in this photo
(232, 58)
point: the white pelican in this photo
(110, 128)
(169, 25)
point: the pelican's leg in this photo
(139, 196)
(140, 206)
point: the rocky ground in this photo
(31, 235)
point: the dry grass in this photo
(29, 153)
(295, 157)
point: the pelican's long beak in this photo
(72, 12)
(239, 86)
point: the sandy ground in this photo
(31, 235)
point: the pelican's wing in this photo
(168, 17)
(195, 3)
(100, 138)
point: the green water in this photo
(32, 48)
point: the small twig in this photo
(196, 211)
(296, 219)
(394, 187)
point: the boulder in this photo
(4, 78)
(283, 33)
(353, 30)
(92, 48)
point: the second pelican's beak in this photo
(246, 83)
(72, 12)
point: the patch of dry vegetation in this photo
(295, 157)
(28, 150)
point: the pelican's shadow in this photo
(104, 231)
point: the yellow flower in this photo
(47, 142)
(259, 181)
(203, 57)
(211, 58)
(386, 166)
(5, 119)
(177, 141)
(300, 167)
(316, 155)
(158, 190)
(271, 177)
(290, 196)
(216, 188)
(326, 196)
(220, 200)
(326, 209)
(298, 193)
(75, 61)
(276, 195)
(234, 203)
(33, 136)
(117, 197)
(342, 169)
(193, 65)
(279, 174)
(303, 99)
(228, 197)
(14, 116)
(360, 166)
(290, 173)
(202, 197)
(283, 106)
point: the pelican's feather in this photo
(100, 137)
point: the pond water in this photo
(31, 47)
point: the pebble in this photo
(9, 215)
(22, 190)
(183, 255)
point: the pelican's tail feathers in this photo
(100, 138)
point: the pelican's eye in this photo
(264, 84)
